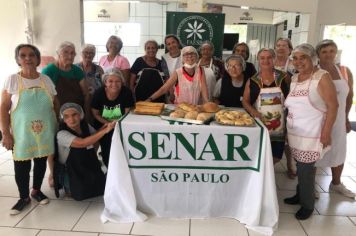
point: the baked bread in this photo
(177, 114)
(148, 108)
(203, 116)
(210, 107)
(187, 107)
(192, 115)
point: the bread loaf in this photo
(210, 107)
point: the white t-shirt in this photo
(11, 85)
(173, 63)
(65, 139)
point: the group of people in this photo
(301, 95)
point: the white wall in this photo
(54, 22)
(12, 25)
(233, 14)
(331, 12)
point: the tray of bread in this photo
(188, 113)
(234, 118)
(148, 108)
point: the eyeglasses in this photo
(89, 53)
(189, 54)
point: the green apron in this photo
(33, 123)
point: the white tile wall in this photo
(155, 9)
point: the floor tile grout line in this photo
(15, 226)
(351, 220)
(190, 225)
(301, 225)
(131, 227)
(80, 217)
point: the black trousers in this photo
(306, 184)
(22, 175)
(105, 144)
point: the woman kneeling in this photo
(77, 167)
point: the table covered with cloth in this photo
(177, 170)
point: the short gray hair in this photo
(119, 42)
(207, 42)
(237, 58)
(112, 71)
(324, 43)
(89, 46)
(64, 45)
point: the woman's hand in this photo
(325, 137)
(109, 126)
(348, 126)
(8, 141)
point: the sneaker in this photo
(39, 197)
(341, 188)
(20, 205)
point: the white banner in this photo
(190, 171)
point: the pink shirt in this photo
(119, 62)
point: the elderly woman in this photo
(213, 67)
(342, 79)
(109, 104)
(114, 59)
(81, 176)
(28, 123)
(229, 90)
(312, 107)
(189, 81)
(146, 74)
(67, 77)
(69, 81)
(264, 98)
(243, 50)
(92, 72)
(283, 48)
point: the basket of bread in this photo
(234, 118)
(194, 114)
(148, 108)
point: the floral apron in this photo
(270, 104)
(33, 123)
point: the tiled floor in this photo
(334, 214)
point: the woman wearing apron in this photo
(146, 74)
(70, 83)
(283, 48)
(28, 124)
(230, 89)
(82, 176)
(264, 99)
(342, 78)
(312, 107)
(189, 81)
(213, 67)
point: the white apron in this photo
(337, 155)
(189, 87)
(304, 121)
(270, 104)
(210, 78)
